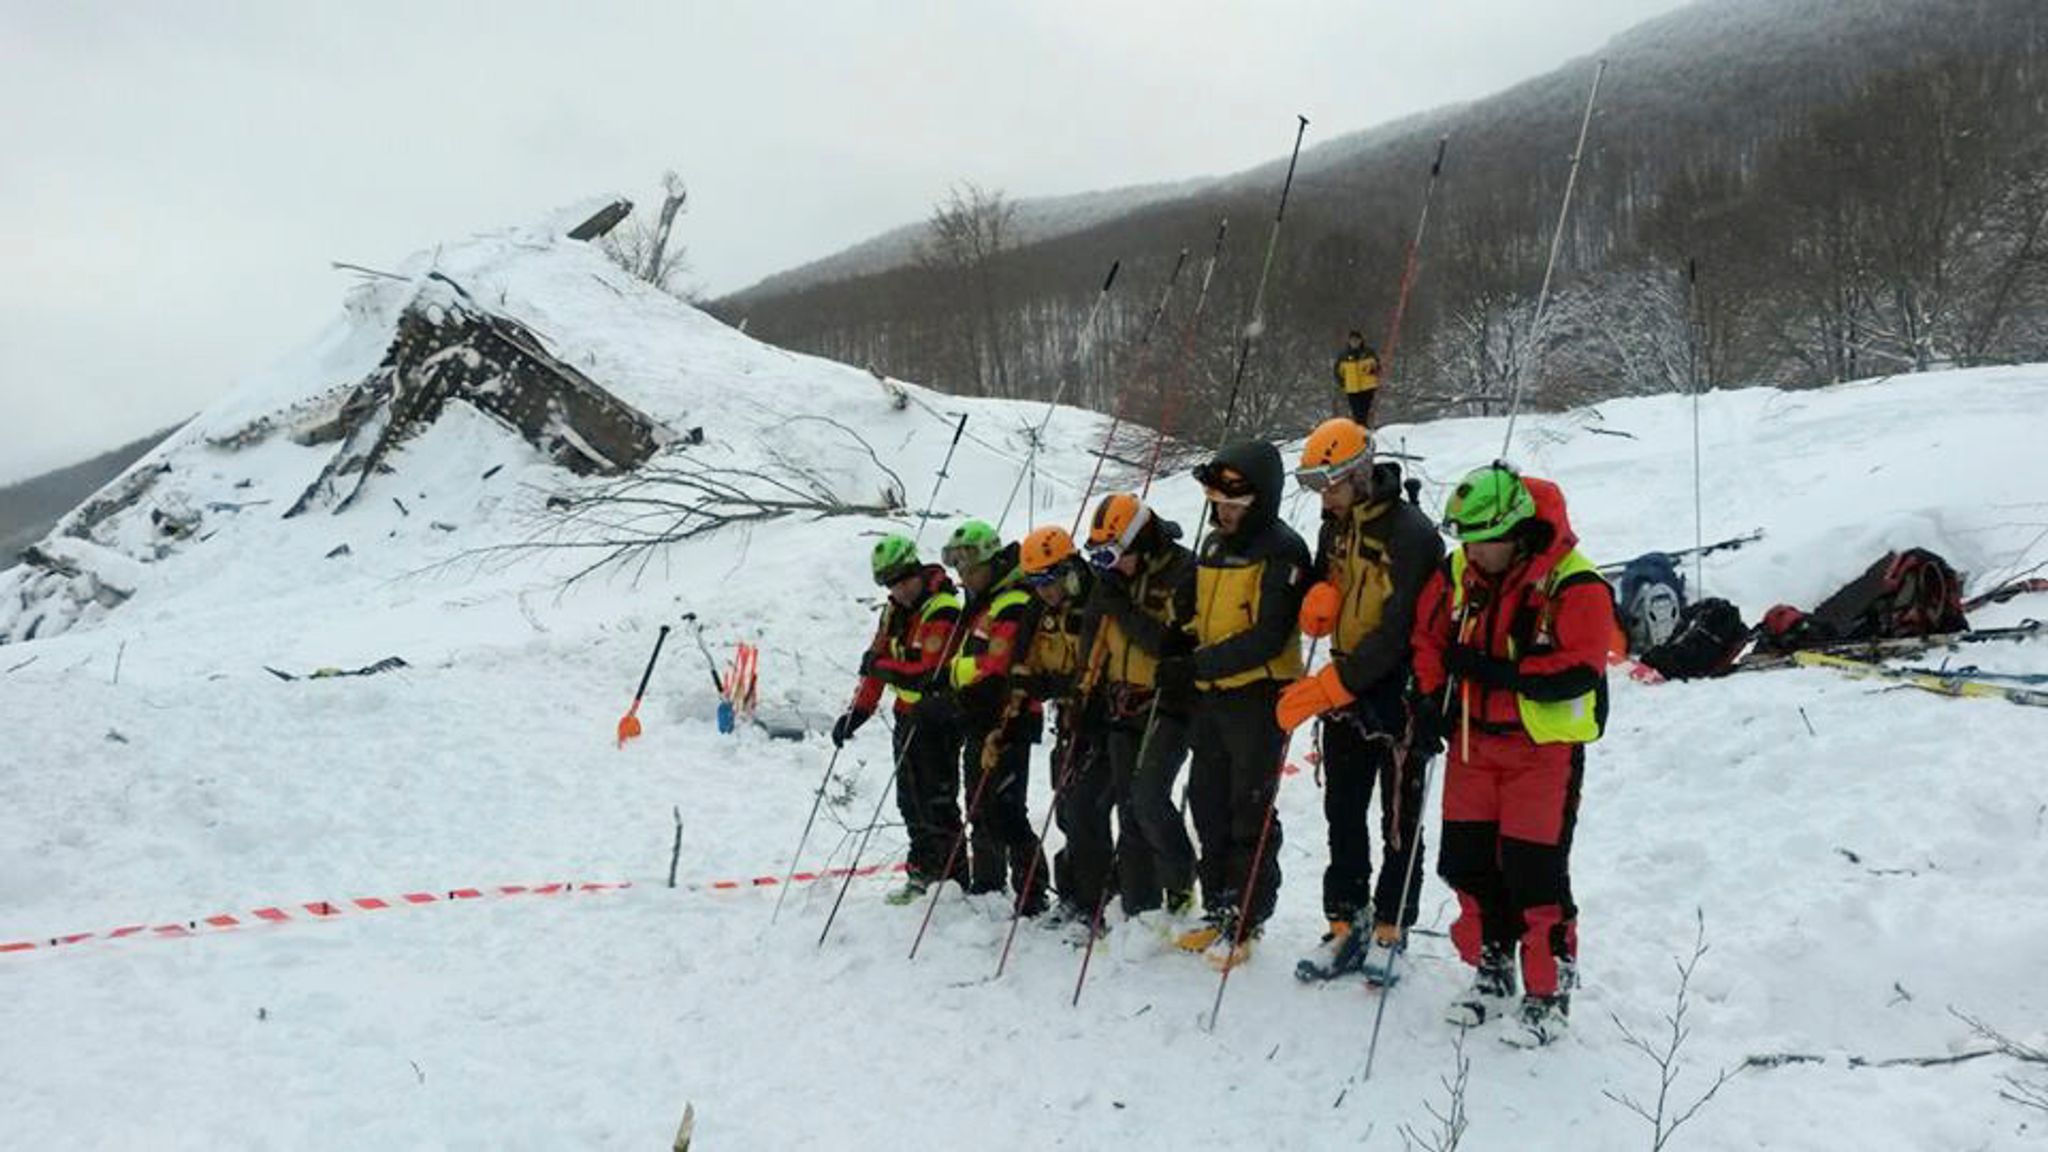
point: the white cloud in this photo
(173, 180)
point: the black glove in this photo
(848, 723)
(867, 662)
(1176, 675)
(1425, 726)
(1474, 666)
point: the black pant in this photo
(928, 792)
(1358, 751)
(1002, 838)
(1155, 858)
(1081, 779)
(1361, 405)
(1237, 745)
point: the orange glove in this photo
(1319, 609)
(1310, 697)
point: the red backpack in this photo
(1910, 593)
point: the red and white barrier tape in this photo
(329, 910)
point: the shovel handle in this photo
(659, 640)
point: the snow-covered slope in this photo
(1864, 860)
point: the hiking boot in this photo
(1064, 913)
(1540, 1022)
(1228, 952)
(1215, 926)
(912, 890)
(1492, 992)
(1382, 945)
(1181, 902)
(1084, 930)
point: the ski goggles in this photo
(1225, 485)
(1046, 577)
(1328, 476)
(961, 556)
(1106, 553)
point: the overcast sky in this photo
(175, 178)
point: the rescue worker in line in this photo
(1144, 597)
(1050, 673)
(919, 623)
(996, 744)
(1249, 576)
(1514, 631)
(1373, 556)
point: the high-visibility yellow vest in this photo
(1573, 721)
(964, 670)
(899, 649)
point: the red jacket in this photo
(1561, 640)
(911, 645)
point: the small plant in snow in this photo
(1450, 1121)
(1666, 1116)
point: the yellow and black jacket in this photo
(997, 627)
(1143, 619)
(1379, 553)
(1357, 370)
(1248, 585)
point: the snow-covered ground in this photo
(1864, 859)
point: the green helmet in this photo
(1487, 504)
(895, 559)
(972, 543)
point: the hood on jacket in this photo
(1550, 535)
(1259, 463)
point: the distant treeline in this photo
(1861, 189)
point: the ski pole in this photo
(1411, 265)
(1083, 342)
(1408, 883)
(1251, 883)
(629, 724)
(1124, 394)
(817, 801)
(1550, 269)
(1257, 327)
(1170, 406)
(959, 430)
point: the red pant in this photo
(1508, 815)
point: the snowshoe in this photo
(1341, 952)
(1540, 1022)
(1491, 995)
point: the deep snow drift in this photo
(1864, 859)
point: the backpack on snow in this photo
(1709, 639)
(1910, 593)
(1651, 597)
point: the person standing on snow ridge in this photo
(1144, 596)
(1520, 624)
(1051, 673)
(996, 746)
(1248, 584)
(1373, 556)
(1357, 372)
(918, 626)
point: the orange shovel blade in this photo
(629, 726)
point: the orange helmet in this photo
(1334, 451)
(1118, 520)
(1045, 549)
